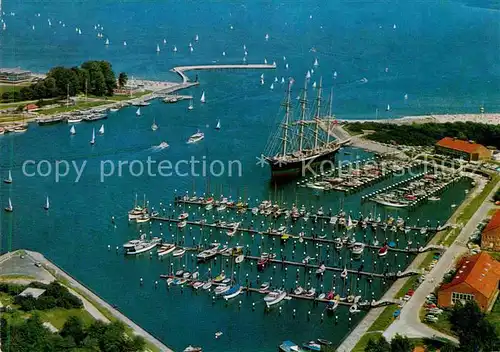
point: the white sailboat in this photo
(286, 65)
(217, 127)
(314, 84)
(157, 48)
(267, 36)
(8, 179)
(262, 76)
(72, 130)
(79, 31)
(124, 43)
(223, 53)
(308, 74)
(138, 112)
(107, 41)
(262, 81)
(265, 61)
(191, 49)
(202, 99)
(190, 107)
(101, 130)
(335, 74)
(272, 86)
(316, 63)
(47, 204)
(282, 80)
(406, 96)
(175, 49)
(92, 141)
(388, 108)
(196, 38)
(276, 79)
(154, 126)
(9, 208)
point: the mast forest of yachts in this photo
(300, 142)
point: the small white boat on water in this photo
(264, 287)
(219, 290)
(198, 136)
(221, 277)
(344, 273)
(321, 269)
(179, 252)
(217, 127)
(193, 349)
(298, 290)
(182, 224)
(92, 141)
(47, 204)
(138, 112)
(207, 285)
(9, 208)
(202, 99)
(142, 218)
(165, 249)
(74, 119)
(190, 107)
(274, 297)
(157, 48)
(143, 246)
(358, 248)
(154, 126)
(8, 179)
(101, 130)
(198, 284)
(354, 309)
(183, 216)
(72, 130)
(175, 49)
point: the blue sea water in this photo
(444, 55)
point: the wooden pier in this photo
(185, 79)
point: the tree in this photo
(122, 79)
(401, 344)
(73, 327)
(380, 345)
(475, 333)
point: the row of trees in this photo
(55, 296)
(428, 134)
(31, 336)
(92, 77)
(475, 334)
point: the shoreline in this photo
(487, 118)
(93, 298)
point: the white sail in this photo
(175, 49)
(388, 108)
(406, 96)
(308, 74)
(164, 41)
(335, 74)
(124, 43)
(138, 112)
(262, 76)
(92, 141)
(191, 49)
(154, 126)
(286, 66)
(47, 204)
(10, 204)
(267, 36)
(223, 53)
(262, 81)
(276, 79)
(107, 41)
(72, 130)
(316, 63)
(218, 125)
(244, 47)
(349, 222)
(196, 38)
(190, 107)
(265, 61)
(282, 80)
(101, 130)
(272, 86)
(9, 179)
(314, 84)
(202, 99)
(157, 48)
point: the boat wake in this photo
(159, 147)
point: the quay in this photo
(185, 79)
(90, 297)
(290, 236)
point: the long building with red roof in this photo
(490, 237)
(476, 278)
(458, 148)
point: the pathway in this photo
(181, 69)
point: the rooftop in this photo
(494, 222)
(458, 144)
(479, 271)
(31, 291)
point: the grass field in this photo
(12, 88)
(58, 316)
(78, 106)
(360, 346)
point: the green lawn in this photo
(361, 345)
(443, 324)
(16, 277)
(78, 106)
(12, 88)
(385, 319)
(58, 316)
(127, 97)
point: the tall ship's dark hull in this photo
(300, 167)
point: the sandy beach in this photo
(491, 119)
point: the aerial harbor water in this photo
(372, 54)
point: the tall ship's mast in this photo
(301, 141)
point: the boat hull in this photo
(299, 167)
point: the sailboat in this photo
(190, 107)
(72, 130)
(164, 41)
(314, 84)
(92, 141)
(272, 86)
(107, 41)
(388, 108)
(202, 99)
(286, 66)
(196, 38)
(154, 126)
(300, 140)
(9, 208)
(265, 61)
(406, 96)
(101, 130)
(138, 112)
(308, 74)
(316, 63)
(217, 127)
(47, 204)
(175, 49)
(223, 53)
(8, 179)
(157, 48)
(124, 43)
(267, 36)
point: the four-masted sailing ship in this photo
(300, 142)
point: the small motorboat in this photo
(198, 284)
(358, 248)
(321, 270)
(274, 297)
(186, 275)
(183, 216)
(193, 349)
(232, 292)
(226, 280)
(179, 252)
(182, 224)
(332, 305)
(354, 309)
(198, 136)
(382, 252)
(207, 285)
(170, 280)
(220, 277)
(324, 342)
(311, 292)
(8, 180)
(298, 290)
(322, 296)
(312, 346)
(218, 334)
(165, 249)
(344, 273)
(264, 287)
(179, 273)
(219, 290)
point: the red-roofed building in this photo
(458, 148)
(490, 237)
(31, 107)
(476, 278)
